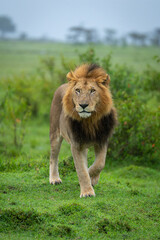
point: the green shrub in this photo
(136, 136)
(14, 113)
(47, 66)
(106, 63)
(88, 57)
(37, 92)
(151, 79)
(123, 80)
(66, 66)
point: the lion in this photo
(82, 113)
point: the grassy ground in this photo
(126, 206)
(127, 203)
(16, 57)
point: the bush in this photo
(88, 57)
(151, 79)
(14, 113)
(123, 80)
(66, 66)
(136, 136)
(37, 92)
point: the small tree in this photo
(6, 26)
(134, 36)
(139, 39)
(155, 40)
(110, 37)
(143, 39)
(76, 34)
(91, 35)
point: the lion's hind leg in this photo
(55, 148)
(98, 165)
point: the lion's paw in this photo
(94, 180)
(88, 193)
(55, 181)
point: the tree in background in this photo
(6, 26)
(79, 34)
(110, 36)
(91, 35)
(76, 34)
(134, 37)
(155, 40)
(138, 38)
(142, 39)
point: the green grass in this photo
(126, 205)
(16, 57)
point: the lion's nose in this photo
(83, 105)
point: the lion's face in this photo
(87, 97)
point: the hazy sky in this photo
(53, 18)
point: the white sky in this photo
(53, 18)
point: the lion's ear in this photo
(71, 76)
(106, 81)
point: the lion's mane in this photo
(100, 125)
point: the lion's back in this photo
(56, 106)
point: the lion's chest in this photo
(98, 133)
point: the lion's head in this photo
(88, 95)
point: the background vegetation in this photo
(78, 34)
(126, 205)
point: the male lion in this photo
(82, 113)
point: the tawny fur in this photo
(82, 112)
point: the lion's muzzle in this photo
(84, 114)
(83, 111)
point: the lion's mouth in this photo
(84, 114)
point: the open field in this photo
(24, 56)
(127, 204)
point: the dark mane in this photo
(102, 133)
(89, 70)
(92, 67)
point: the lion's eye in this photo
(77, 90)
(92, 90)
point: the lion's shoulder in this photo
(60, 91)
(56, 106)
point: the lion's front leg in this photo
(53, 169)
(98, 165)
(80, 160)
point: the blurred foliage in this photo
(137, 135)
(29, 96)
(157, 58)
(47, 66)
(88, 57)
(151, 79)
(14, 113)
(66, 66)
(106, 62)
